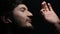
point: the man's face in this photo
(21, 15)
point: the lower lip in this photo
(29, 21)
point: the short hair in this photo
(7, 6)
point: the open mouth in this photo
(28, 20)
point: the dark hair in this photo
(8, 5)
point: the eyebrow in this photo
(23, 8)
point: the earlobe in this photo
(9, 20)
(5, 20)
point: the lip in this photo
(28, 20)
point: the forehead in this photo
(22, 5)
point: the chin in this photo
(28, 25)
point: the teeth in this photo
(29, 20)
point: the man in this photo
(17, 14)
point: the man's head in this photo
(21, 15)
(19, 11)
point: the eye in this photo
(22, 9)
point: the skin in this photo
(50, 15)
(21, 15)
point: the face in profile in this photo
(21, 15)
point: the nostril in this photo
(30, 16)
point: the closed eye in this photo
(22, 9)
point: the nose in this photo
(29, 13)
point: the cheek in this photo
(19, 16)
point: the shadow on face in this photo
(21, 15)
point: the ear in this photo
(5, 20)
